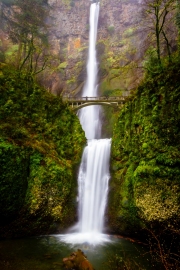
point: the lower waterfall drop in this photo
(93, 186)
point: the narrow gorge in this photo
(104, 180)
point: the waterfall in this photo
(94, 174)
(90, 116)
(93, 186)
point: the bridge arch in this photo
(80, 102)
(110, 104)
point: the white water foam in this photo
(85, 238)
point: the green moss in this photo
(41, 143)
(62, 65)
(14, 166)
(71, 81)
(111, 29)
(129, 31)
(145, 154)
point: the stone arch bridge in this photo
(80, 102)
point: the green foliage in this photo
(41, 144)
(145, 153)
(151, 61)
(14, 167)
(69, 3)
(62, 65)
(111, 29)
(129, 32)
(117, 66)
(178, 19)
(159, 16)
(27, 30)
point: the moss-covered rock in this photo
(41, 142)
(145, 185)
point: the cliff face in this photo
(69, 40)
(119, 44)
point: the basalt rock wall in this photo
(119, 45)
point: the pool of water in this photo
(47, 252)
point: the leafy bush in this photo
(111, 29)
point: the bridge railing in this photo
(101, 98)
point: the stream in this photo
(47, 252)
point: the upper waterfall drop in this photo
(90, 88)
(90, 116)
